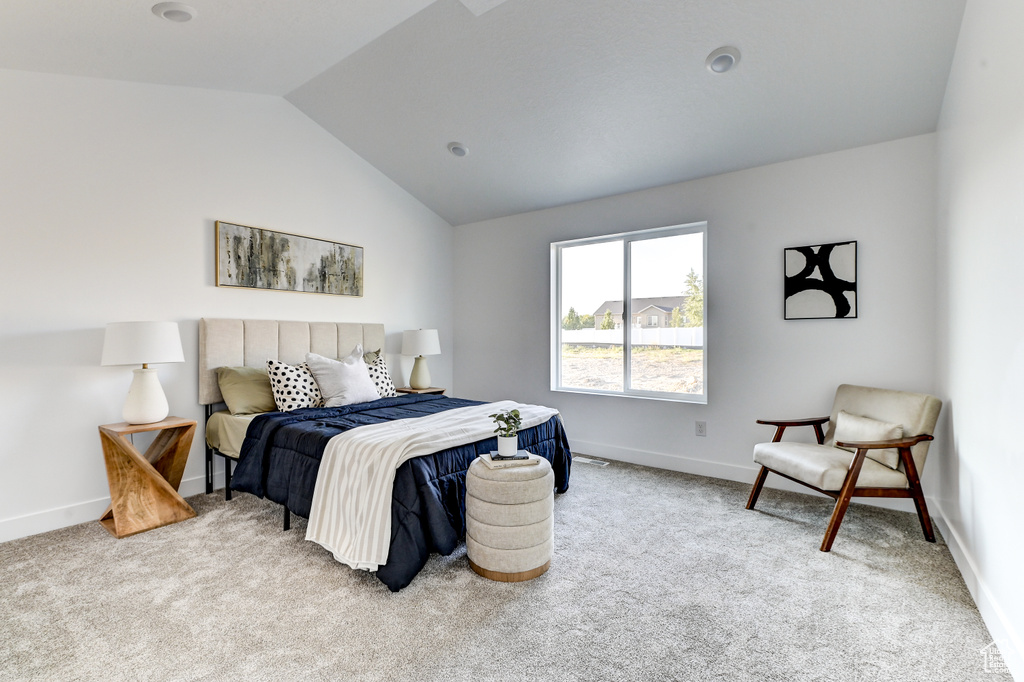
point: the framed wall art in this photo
(255, 258)
(821, 281)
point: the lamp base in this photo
(146, 401)
(420, 377)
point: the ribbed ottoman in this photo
(509, 520)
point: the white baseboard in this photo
(701, 467)
(729, 472)
(61, 517)
(1003, 632)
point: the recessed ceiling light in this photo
(174, 11)
(722, 59)
(458, 149)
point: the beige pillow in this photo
(852, 428)
(246, 390)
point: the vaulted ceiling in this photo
(556, 101)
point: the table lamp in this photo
(420, 342)
(143, 343)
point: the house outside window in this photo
(656, 278)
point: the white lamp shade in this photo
(420, 342)
(141, 343)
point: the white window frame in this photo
(627, 238)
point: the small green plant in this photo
(508, 422)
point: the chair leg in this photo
(922, 514)
(287, 518)
(917, 493)
(843, 501)
(842, 504)
(755, 492)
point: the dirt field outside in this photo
(675, 370)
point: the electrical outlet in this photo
(702, 428)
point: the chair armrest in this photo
(794, 422)
(883, 444)
(780, 426)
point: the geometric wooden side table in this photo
(144, 488)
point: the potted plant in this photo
(508, 423)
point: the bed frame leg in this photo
(227, 478)
(208, 411)
(209, 470)
(287, 519)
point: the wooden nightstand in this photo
(144, 488)
(431, 390)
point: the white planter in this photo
(508, 445)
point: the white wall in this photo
(760, 366)
(109, 194)
(981, 358)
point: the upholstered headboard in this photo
(250, 343)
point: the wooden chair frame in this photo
(849, 488)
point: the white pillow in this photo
(293, 386)
(853, 428)
(345, 381)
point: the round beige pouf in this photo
(510, 520)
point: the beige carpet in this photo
(656, 576)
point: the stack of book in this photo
(521, 459)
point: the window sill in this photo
(690, 398)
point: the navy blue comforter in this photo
(282, 450)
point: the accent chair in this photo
(875, 445)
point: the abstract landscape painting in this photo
(254, 258)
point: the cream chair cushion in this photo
(852, 428)
(916, 412)
(824, 466)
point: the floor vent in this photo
(587, 460)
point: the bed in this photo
(279, 455)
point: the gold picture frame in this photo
(257, 258)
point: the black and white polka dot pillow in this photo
(381, 378)
(293, 386)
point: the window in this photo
(600, 282)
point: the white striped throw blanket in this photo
(351, 511)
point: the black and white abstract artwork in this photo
(254, 258)
(821, 281)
